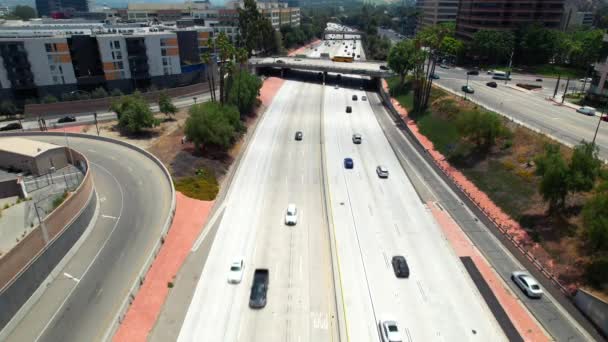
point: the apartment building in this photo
(573, 17)
(433, 12)
(475, 15)
(46, 7)
(56, 61)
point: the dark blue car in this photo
(348, 163)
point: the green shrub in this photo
(596, 272)
(202, 186)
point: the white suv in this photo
(291, 217)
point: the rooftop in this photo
(25, 147)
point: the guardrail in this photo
(504, 229)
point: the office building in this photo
(573, 17)
(598, 90)
(433, 12)
(46, 8)
(475, 15)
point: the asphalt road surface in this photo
(276, 170)
(135, 200)
(563, 123)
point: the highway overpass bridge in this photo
(340, 34)
(361, 68)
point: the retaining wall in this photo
(98, 105)
(29, 262)
(594, 308)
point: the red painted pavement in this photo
(526, 325)
(269, 89)
(302, 49)
(190, 215)
(70, 129)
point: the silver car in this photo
(527, 283)
(586, 110)
(356, 138)
(382, 171)
(389, 330)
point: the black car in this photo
(257, 298)
(348, 163)
(492, 84)
(299, 135)
(473, 73)
(355, 98)
(539, 80)
(67, 119)
(280, 61)
(400, 267)
(383, 67)
(349, 109)
(11, 126)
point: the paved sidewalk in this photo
(528, 328)
(190, 216)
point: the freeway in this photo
(533, 109)
(135, 198)
(275, 171)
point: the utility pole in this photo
(510, 65)
(96, 126)
(559, 77)
(565, 90)
(598, 124)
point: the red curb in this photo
(269, 89)
(69, 129)
(526, 325)
(190, 215)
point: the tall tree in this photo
(24, 12)
(553, 170)
(585, 167)
(206, 58)
(133, 113)
(402, 58)
(250, 20)
(165, 105)
(226, 53)
(492, 46)
(595, 219)
(212, 124)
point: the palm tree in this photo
(206, 57)
(226, 50)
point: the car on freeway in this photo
(235, 275)
(363, 98)
(259, 289)
(389, 330)
(348, 163)
(400, 267)
(588, 79)
(492, 84)
(383, 67)
(586, 110)
(299, 135)
(297, 59)
(434, 76)
(473, 73)
(11, 126)
(291, 216)
(349, 109)
(355, 98)
(467, 89)
(357, 138)
(280, 61)
(67, 118)
(539, 80)
(382, 171)
(336, 87)
(527, 283)
(358, 56)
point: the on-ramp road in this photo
(135, 200)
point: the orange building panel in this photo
(203, 35)
(170, 41)
(108, 66)
(65, 58)
(172, 51)
(62, 47)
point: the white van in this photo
(500, 75)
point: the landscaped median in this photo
(508, 171)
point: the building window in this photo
(48, 47)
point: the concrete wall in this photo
(54, 158)
(27, 264)
(9, 188)
(102, 105)
(594, 308)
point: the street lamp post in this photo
(597, 128)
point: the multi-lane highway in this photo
(83, 301)
(531, 108)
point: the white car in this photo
(527, 283)
(235, 275)
(587, 110)
(588, 79)
(389, 330)
(291, 217)
(363, 98)
(382, 171)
